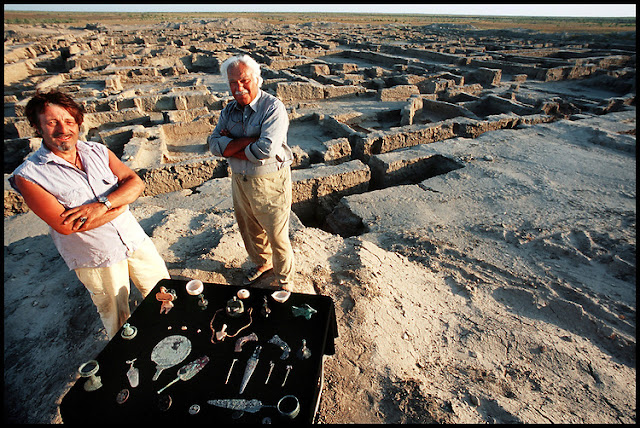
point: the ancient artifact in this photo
(304, 352)
(303, 311)
(188, 371)
(244, 339)
(164, 402)
(128, 331)
(167, 298)
(287, 406)
(271, 364)
(122, 396)
(235, 307)
(281, 296)
(251, 366)
(282, 344)
(230, 369)
(266, 310)
(243, 294)
(89, 370)
(195, 287)
(170, 351)
(289, 367)
(222, 333)
(251, 406)
(133, 374)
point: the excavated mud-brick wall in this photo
(408, 166)
(316, 190)
(183, 175)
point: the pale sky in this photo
(564, 10)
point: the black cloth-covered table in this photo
(144, 404)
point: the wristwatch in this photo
(104, 200)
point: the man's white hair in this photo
(245, 59)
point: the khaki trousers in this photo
(262, 206)
(109, 286)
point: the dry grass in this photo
(543, 24)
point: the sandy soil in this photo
(503, 292)
(500, 292)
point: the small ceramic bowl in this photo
(195, 287)
(281, 296)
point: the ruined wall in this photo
(318, 189)
(154, 95)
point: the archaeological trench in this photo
(358, 97)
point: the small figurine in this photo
(304, 352)
(222, 334)
(166, 297)
(282, 344)
(303, 311)
(265, 308)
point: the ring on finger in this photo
(82, 220)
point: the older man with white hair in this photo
(252, 134)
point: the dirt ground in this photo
(500, 292)
(503, 292)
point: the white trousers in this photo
(109, 286)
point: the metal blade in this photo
(251, 406)
(251, 366)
